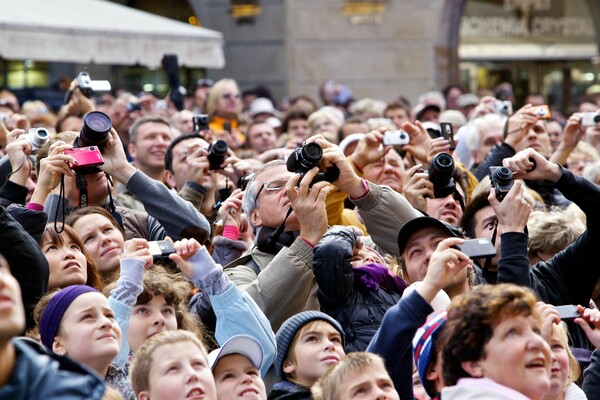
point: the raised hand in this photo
(549, 317)
(513, 211)
(590, 323)
(420, 141)
(529, 164)
(418, 187)
(138, 249)
(184, 249)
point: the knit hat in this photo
(423, 346)
(285, 335)
(56, 308)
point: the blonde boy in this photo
(357, 376)
(172, 365)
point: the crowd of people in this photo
(226, 248)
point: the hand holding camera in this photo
(519, 125)
(418, 187)
(513, 211)
(529, 164)
(420, 141)
(308, 157)
(138, 249)
(51, 170)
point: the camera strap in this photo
(275, 236)
(61, 201)
(111, 204)
(81, 184)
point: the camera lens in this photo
(597, 118)
(216, 154)
(38, 137)
(95, 129)
(441, 170)
(503, 176)
(311, 154)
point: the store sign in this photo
(364, 12)
(245, 11)
(527, 19)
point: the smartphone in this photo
(161, 248)
(477, 248)
(542, 112)
(86, 157)
(448, 133)
(395, 138)
(567, 312)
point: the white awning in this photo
(84, 31)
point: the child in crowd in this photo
(357, 376)
(78, 322)
(172, 365)
(236, 369)
(308, 343)
(356, 287)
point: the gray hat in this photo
(285, 335)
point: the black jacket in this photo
(550, 194)
(289, 391)
(591, 378)
(27, 262)
(571, 275)
(38, 375)
(358, 310)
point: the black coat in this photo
(358, 310)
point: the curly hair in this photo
(472, 319)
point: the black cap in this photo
(419, 223)
(424, 107)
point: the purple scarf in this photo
(374, 276)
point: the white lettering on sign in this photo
(523, 5)
(517, 27)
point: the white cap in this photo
(348, 140)
(262, 105)
(243, 345)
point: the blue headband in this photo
(55, 310)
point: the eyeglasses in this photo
(271, 187)
(229, 96)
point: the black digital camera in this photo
(308, 156)
(217, 152)
(200, 123)
(501, 179)
(441, 171)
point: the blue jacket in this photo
(39, 375)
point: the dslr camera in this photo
(441, 172)
(501, 179)
(308, 156)
(94, 133)
(590, 118)
(217, 151)
(37, 137)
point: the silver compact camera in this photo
(590, 118)
(395, 138)
(88, 86)
(37, 138)
(503, 107)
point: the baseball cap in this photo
(243, 345)
(262, 105)
(421, 108)
(419, 223)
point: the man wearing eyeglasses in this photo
(277, 270)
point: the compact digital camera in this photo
(200, 122)
(395, 138)
(37, 137)
(503, 107)
(542, 112)
(88, 158)
(89, 86)
(590, 118)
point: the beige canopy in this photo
(84, 31)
